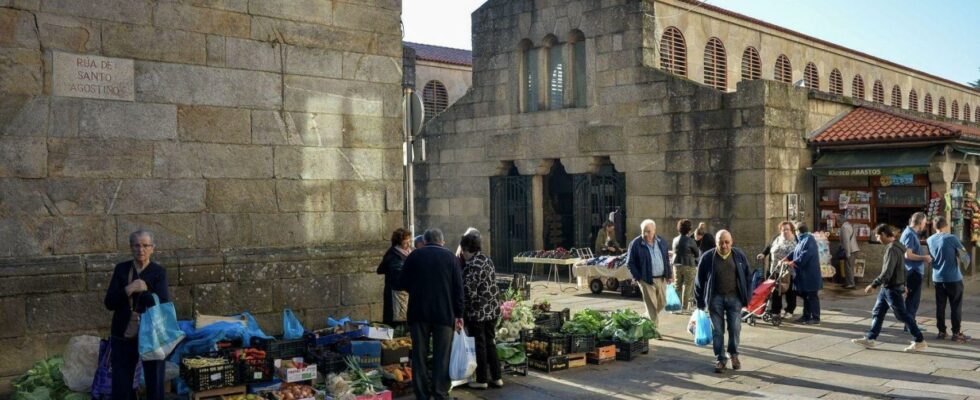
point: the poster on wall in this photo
(859, 267)
(843, 201)
(793, 207)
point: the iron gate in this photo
(510, 219)
(595, 196)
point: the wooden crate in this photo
(576, 360)
(603, 352)
(219, 393)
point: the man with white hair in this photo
(722, 289)
(649, 264)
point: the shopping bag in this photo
(159, 331)
(102, 383)
(702, 328)
(673, 300)
(462, 359)
(291, 328)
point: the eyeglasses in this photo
(138, 245)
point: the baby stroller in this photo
(760, 305)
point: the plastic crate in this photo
(207, 378)
(279, 349)
(328, 362)
(546, 344)
(627, 351)
(252, 370)
(549, 364)
(549, 321)
(581, 343)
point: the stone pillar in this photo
(974, 170)
(537, 210)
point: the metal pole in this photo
(408, 157)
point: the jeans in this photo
(725, 310)
(891, 298)
(811, 305)
(913, 281)
(125, 355)
(434, 385)
(487, 362)
(952, 292)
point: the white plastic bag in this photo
(81, 362)
(462, 359)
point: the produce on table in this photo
(511, 353)
(515, 317)
(586, 322)
(397, 373)
(513, 294)
(244, 397)
(44, 381)
(396, 344)
(363, 382)
(294, 392)
(628, 326)
(202, 362)
(542, 306)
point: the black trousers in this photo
(430, 384)
(952, 292)
(487, 362)
(125, 355)
(776, 302)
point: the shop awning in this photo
(874, 162)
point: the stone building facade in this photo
(572, 115)
(260, 143)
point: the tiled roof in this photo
(868, 125)
(703, 4)
(441, 54)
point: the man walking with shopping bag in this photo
(722, 288)
(434, 281)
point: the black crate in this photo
(546, 344)
(279, 349)
(627, 351)
(629, 289)
(516, 369)
(207, 378)
(253, 370)
(581, 343)
(549, 321)
(327, 361)
(549, 364)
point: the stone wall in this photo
(457, 78)
(262, 149)
(687, 151)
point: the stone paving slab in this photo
(790, 361)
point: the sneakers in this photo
(736, 365)
(719, 367)
(787, 315)
(961, 338)
(916, 347)
(801, 321)
(867, 343)
(497, 384)
(476, 385)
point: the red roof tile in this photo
(868, 125)
(441, 54)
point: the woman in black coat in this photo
(395, 300)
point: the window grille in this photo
(673, 52)
(751, 64)
(857, 87)
(836, 82)
(811, 77)
(715, 64)
(783, 71)
(435, 98)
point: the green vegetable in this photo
(363, 382)
(628, 326)
(44, 381)
(511, 353)
(585, 322)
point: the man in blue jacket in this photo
(722, 287)
(915, 260)
(650, 266)
(806, 259)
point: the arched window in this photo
(715, 64)
(857, 87)
(751, 64)
(927, 103)
(836, 82)
(530, 76)
(976, 114)
(811, 77)
(556, 73)
(942, 106)
(577, 39)
(673, 52)
(966, 112)
(435, 98)
(956, 110)
(896, 96)
(913, 100)
(783, 71)
(878, 93)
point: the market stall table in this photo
(555, 264)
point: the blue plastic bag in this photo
(673, 300)
(291, 328)
(159, 331)
(702, 331)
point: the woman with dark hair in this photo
(481, 309)
(704, 238)
(685, 261)
(395, 300)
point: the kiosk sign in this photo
(95, 77)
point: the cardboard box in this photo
(377, 333)
(291, 375)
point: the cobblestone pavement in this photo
(792, 361)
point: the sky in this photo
(941, 37)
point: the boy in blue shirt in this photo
(944, 248)
(915, 261)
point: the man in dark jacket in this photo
(649, 264)
(892, 282)
(722, 288)
(808, 282)
(434, 281)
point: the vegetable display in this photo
(511, 353)
(586, 322)
(202, 362)
(515, 317)
(628, 326)
(44, 381)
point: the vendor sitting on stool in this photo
(605, 240)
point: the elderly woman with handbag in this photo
(129, 295)
(782, 245)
